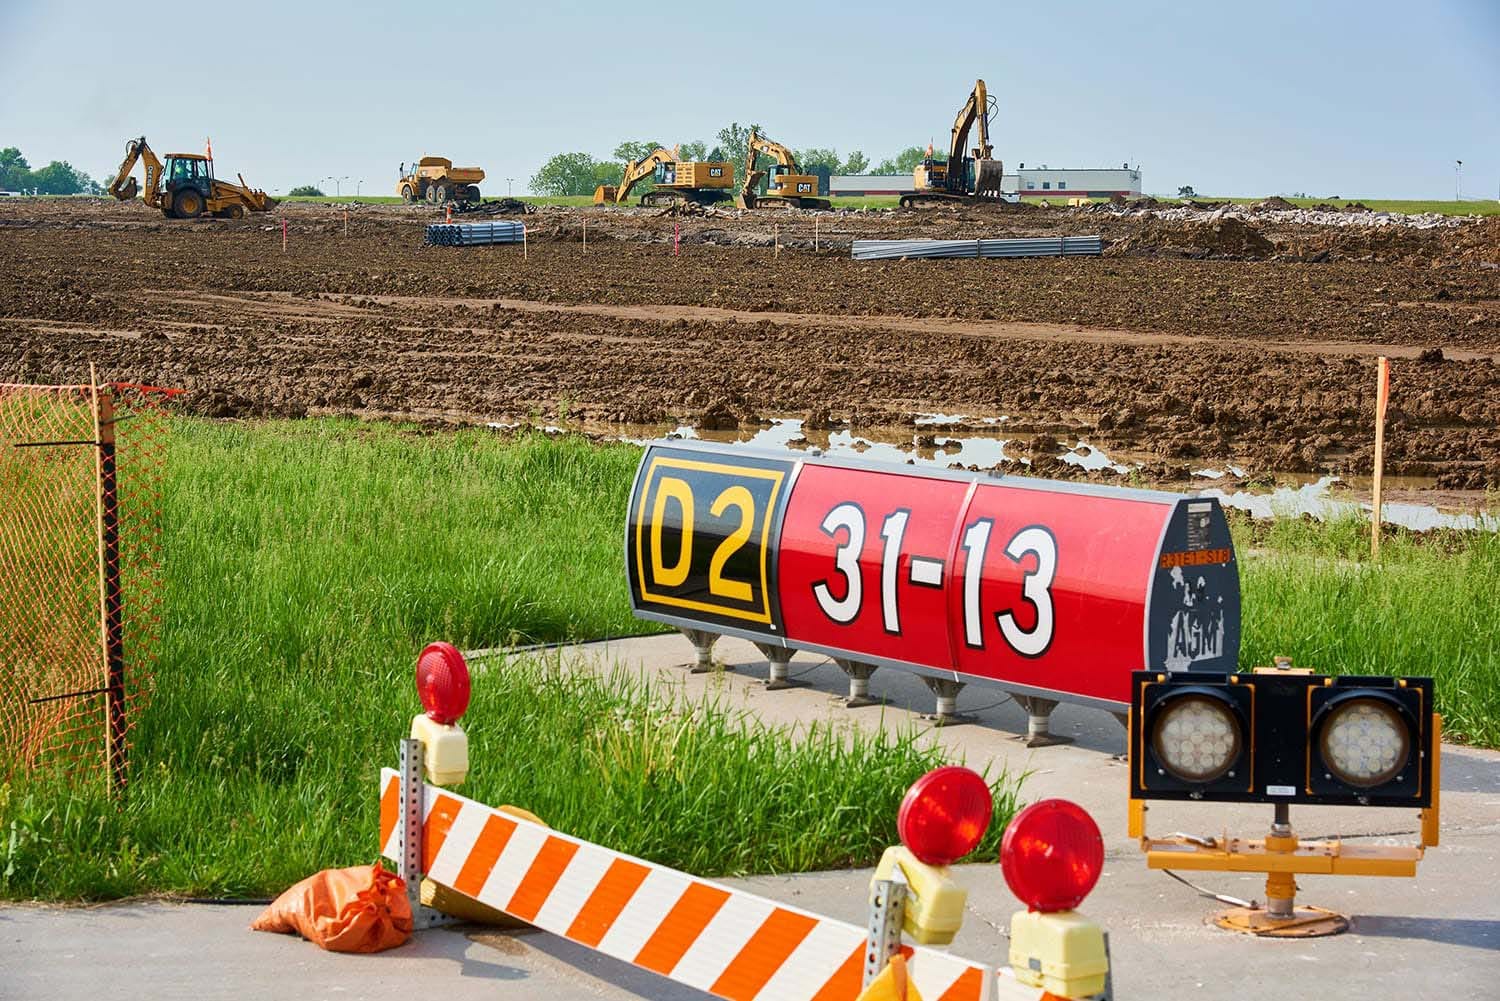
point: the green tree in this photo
(630, 150)
(695, 150)
(733, 139)
(61, 178)
(903, 162)
(15, 172)
(857, 163)
(305, 191)
(813, 157)
(572, 174)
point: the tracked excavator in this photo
(967, 173)
(673, 181)
(185, 187)
(786, 185)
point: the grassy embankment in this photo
(307, 564)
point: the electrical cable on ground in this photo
(1222, 898)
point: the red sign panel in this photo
(1050, 587)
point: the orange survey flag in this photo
(359, 909)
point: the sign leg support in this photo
(409, 867)
(779, 657)
(1039, 721)
(859, 683)
(703, 642)
(946, 690)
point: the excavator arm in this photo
(638, 170)
(975, 110)
(783, 156)
(124, 186)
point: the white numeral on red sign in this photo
(1036, 588)
(851, 519)
(890, 561)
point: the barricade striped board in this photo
(727, 942)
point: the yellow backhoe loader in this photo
(673, 181)
(967, 173)
(185, 187)
(786, 185)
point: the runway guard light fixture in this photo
(443, 686)
(1282, 736)
(1051, 856)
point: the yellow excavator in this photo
(673, 181)
(786, 185)
(967, 173)
(185, 187)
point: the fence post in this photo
(111, 605)
(1382, 396)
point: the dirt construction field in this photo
(1190, 343)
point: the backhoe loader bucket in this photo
(128, 190)
(987, 177)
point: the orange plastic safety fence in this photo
(81, 472)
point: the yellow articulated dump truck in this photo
(185, 187)
(673, 181)
(435, 180)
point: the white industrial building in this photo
(1028, 182)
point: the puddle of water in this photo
(1313, 499)
(1311, 494)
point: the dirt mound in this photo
(1355, 207)
(1274, 204)
(1227, 238)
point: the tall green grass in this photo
(1429, 606)
(306, 564)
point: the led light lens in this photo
(1365, 743)
(1197, 738)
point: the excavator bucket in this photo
(604, 194)
(987, 177)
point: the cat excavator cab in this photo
(967, 173)
(786, 185)
(673, 181)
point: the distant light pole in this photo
(1458, 180)
(338, 184)
(507, 186)
(357, 185)
(327, 179)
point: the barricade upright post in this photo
(410, 863)
(887, 915)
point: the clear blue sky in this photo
(1373, 99)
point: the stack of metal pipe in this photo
(473, 234)
(1029, 246)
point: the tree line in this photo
(581, 173)
(57, 178)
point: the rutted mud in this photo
(1264, 363)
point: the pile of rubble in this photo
(1271, 211)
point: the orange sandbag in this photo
(359, 909)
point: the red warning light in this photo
(443, 682)
(945, 814)
(1052, 854)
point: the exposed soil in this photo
(1198, 342)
